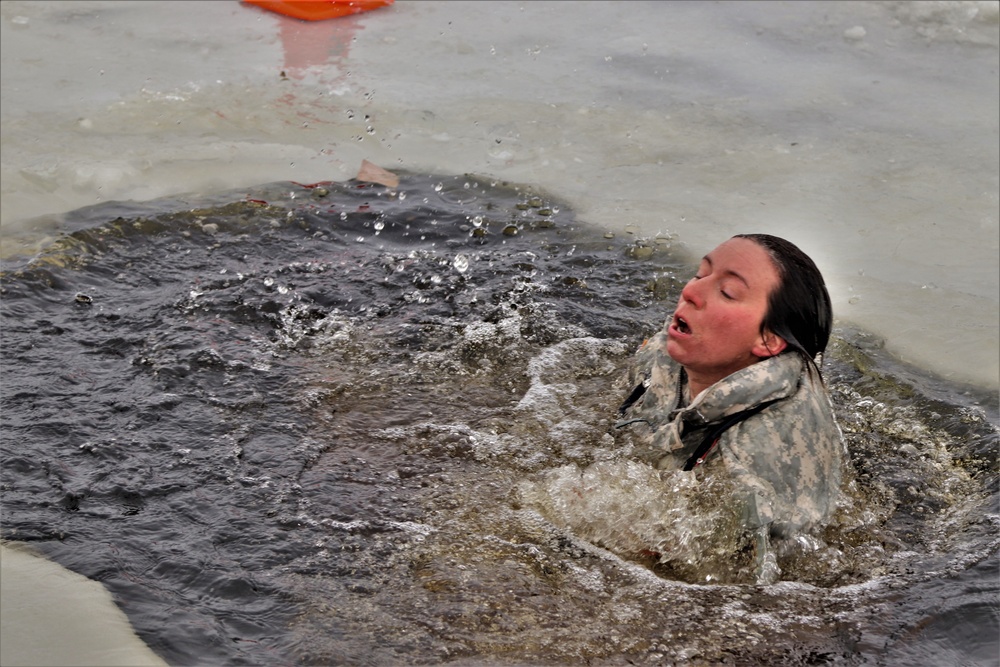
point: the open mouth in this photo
(682, 325)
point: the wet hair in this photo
(799, 309)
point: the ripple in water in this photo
(346, 424)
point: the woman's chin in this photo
(675, 349)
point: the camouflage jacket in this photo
(785, 460)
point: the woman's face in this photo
(715, 330)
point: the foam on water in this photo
(638, 513)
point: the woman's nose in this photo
(692, 293)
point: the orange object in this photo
(317, 10)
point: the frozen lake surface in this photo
(865, 132)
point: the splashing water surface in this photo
(345, 424)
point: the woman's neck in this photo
(696, 386)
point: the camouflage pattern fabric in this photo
(785, 460)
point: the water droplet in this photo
(461, 263)
(379, 225)
(268, 282)
(370, 130)
(350, 113)
(477, 221)
(438, 187)
(360, 239)
(402, 196)
(466, 185)
(343, 215)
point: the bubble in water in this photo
(439, 187)
(477, 220)
(402, 196)
(268, 282)
(343, 216)
(461, 263)
(379, 225)
(350, 113)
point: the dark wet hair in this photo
(799, 309)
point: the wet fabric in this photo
(786, 459)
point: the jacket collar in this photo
(767, 380)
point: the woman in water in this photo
(731, 384)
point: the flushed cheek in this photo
(738, 325)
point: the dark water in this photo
(348, 425)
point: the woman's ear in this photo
(769, 344)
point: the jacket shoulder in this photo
(792, 451)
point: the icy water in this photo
(340, 423)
